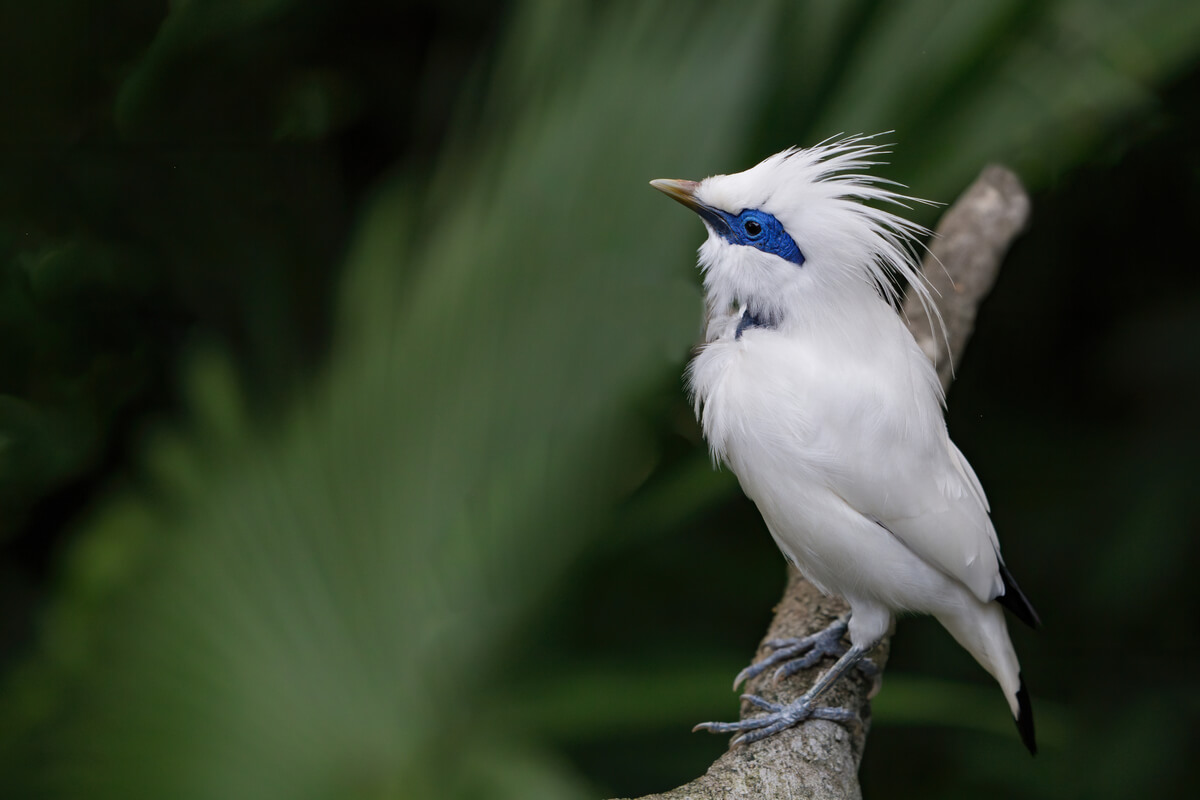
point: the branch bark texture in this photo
(820, 759)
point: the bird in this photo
(810, 388)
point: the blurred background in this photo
(343, 444)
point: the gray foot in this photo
(779, 718)
(794, 655)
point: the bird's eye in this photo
(753, 227)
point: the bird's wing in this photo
(930, 499)
(964, 467)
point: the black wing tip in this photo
(1025, 719)
(1015, 600)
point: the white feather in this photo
(832, 417)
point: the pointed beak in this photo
(681, 191)
(685, 192)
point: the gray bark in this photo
(820, 759)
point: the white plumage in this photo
(813, 392)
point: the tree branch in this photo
(819, 758)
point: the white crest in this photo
(822, 196)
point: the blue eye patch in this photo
(754, 228)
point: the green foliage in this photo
(321, 602)
(429, 517)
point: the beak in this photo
(684, 192)
(681, 191)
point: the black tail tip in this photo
(1025, 719)
(1015, 600)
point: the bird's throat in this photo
(750, 319)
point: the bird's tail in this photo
(981, 630)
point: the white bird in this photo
(811, 389)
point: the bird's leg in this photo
(781, 717)
(796, 654)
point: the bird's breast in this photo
(756, 394)
(807, 406)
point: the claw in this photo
(731, 727)
(780, 717)
(798, 654)
(835, 714)
(761, 733)
(765, 705)
(807, 660)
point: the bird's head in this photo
(795, 232)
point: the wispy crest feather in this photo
(836, 165)
(828, 186)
